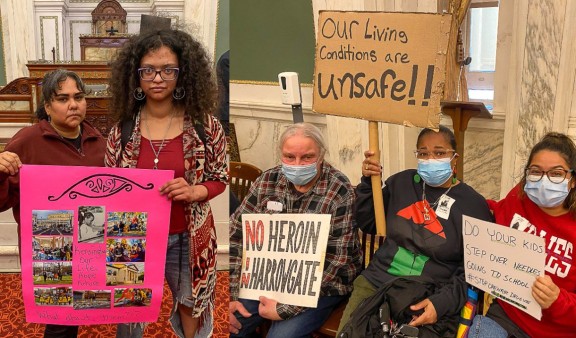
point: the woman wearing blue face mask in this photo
(424, 209)
(543, 204)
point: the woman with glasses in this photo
(163, 93)
(543, 204)
(424, 209)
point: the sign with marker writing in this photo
(503, 262)
(283, 257)
(387, 67)
(93, 244)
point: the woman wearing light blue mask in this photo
(542, 204)
(424, 209)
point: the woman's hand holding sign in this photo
(544, 291)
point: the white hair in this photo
(307, 130)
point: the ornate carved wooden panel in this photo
(16, 101)
(109, 32)
(20, 86)
(109, 18)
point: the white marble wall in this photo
(14, 105)
(541, 72)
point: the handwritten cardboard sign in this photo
(93, 244)
(387, 67)
(503, 262)
(283, 257)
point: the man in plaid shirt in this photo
(303, 183)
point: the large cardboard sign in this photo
(283, 257)
(387, 67)
(504, 262)
(93, 244)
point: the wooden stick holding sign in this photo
(376, 181)
(381, 67)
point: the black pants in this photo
(60, 331)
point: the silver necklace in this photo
(157, 153)
(433, 205)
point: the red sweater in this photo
(172, 158)
(559, 232)
(40, 144)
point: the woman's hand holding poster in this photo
(93, 244)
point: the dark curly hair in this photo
(51, 83)
(195, 76)
(565, 147)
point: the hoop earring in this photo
(179, 93)
(139, 94)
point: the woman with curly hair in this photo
(163, 93)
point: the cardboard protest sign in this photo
(387, 67)
(503, 262)
(93, 244)
(283, 257)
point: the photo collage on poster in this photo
(56, 233)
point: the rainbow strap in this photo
(467, 313)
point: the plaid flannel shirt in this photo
(332, 194)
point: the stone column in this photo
(18, 31)
(201, 15)
(538, 65)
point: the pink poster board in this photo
(93, 244)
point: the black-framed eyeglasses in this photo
(436, 153)
(166, 74)
(557, 175)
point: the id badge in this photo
(444, 206)
(274, 206)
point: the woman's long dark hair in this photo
(195, 75)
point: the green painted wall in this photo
(271, 36)
(223, 29)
